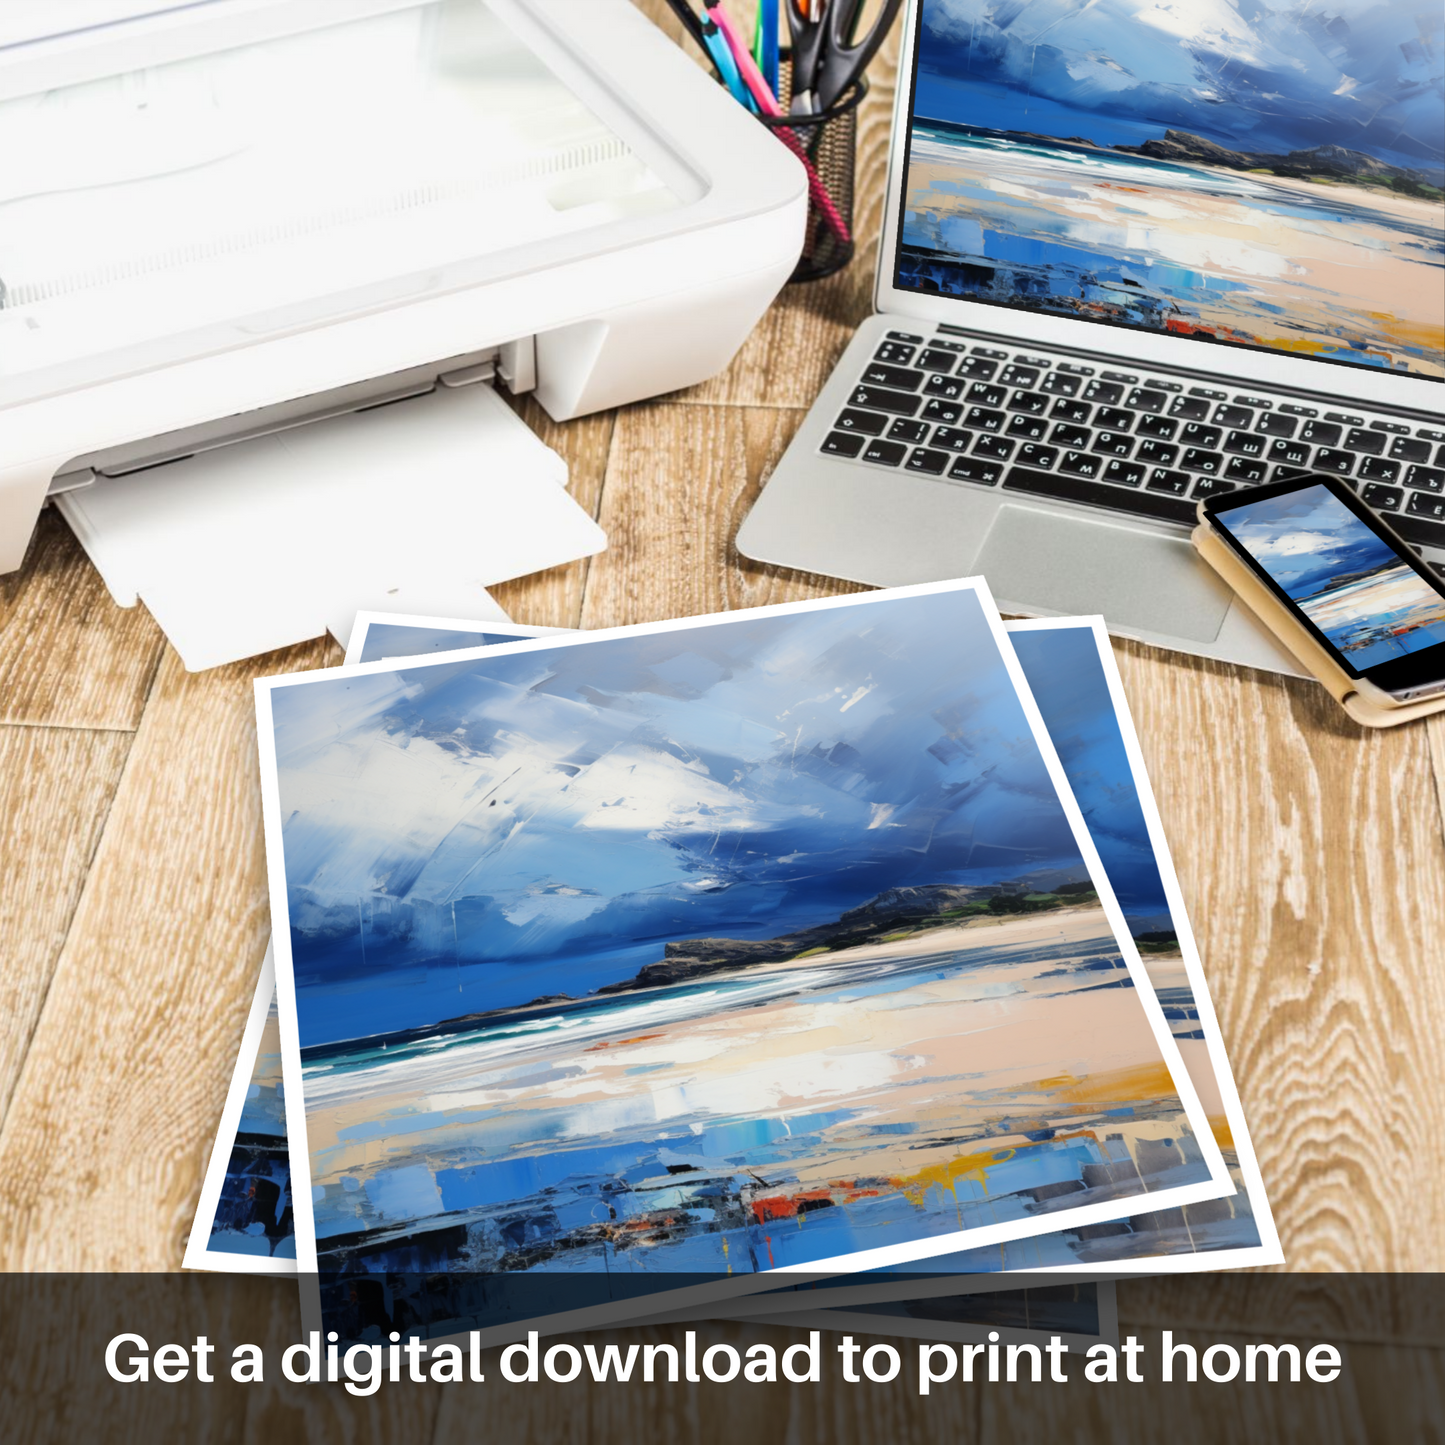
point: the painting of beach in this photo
(1352, 585)
(1265, 175)
(757, 943)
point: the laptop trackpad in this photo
(1071, 565)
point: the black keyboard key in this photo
(1112, 444)
(1422, 504)
(1291, 454)
(1196, 459)
(1382, 499)
(1245, 444)
(981, 394)
(886, 454)
(1035, 403)
(895, 353)
(1070, 436)
(1293, 410)
(1041, 457)
(1081, 464)
(994, 447)
(1289, 474)
(1440, 457)
(1161, 479)
(904, 336)
(1406, 449)
(1058, 383)
(878, 398)
(936, 409)
(972, 469)
(1195, 435)
(1377, 469)
(982, 419)
(1144, 398)
(1212, 486)
(1242, 469)
(905, 430)
(1208, 393)
(1107, 392)
(935, 360)
(1189, 408)
(843, 444)
(989, 351)
(933, 463)
(957, 347)
(948, 387)
(1076, 411)
(1427, 479)
(1157, 426)
(954, 438)
(1124, 474)
(1031, 428)
(867, 422)
(1015, 375)
(1419, 530)
(1113, 418)
(1345, 418)
(1235, 416)
(977, 369)
(1321, 433)
(1328, 459)
(1072, 488)
(1126, 377)
(1272, 424)
(877, 374)
(1372, 443)
(1157, 454)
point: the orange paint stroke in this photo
(618, 1043)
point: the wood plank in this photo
(56, 786)
(1311, 858)
(112, 1118)
(69, 657)
(554, 598)
(679, 482)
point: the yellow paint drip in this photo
(1118, 1086)
(915, 1187)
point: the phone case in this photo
(1280, 621)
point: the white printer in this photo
(223, 221)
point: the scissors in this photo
(827, 54)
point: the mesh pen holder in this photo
(827, 144)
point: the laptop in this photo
(1134, 253)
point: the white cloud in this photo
(1294, 544)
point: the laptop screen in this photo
(1261, 173)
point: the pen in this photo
(724, 53)
(767, 103)
(765, 42)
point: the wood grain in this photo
(680, 481)
(112, 1117)
(70, 656)
(56, 786)
(1311, 858)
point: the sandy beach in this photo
(1296, 264)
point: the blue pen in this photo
(768, 27)
(727, 67)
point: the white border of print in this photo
(199, 1254)
(365, 621)
(1219, 1184)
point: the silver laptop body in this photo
(971, 427)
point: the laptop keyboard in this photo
(1142, 444)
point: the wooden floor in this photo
(133, 903)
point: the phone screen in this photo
(1359, 591)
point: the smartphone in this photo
(1335, 565)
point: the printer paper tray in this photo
(417, 506)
